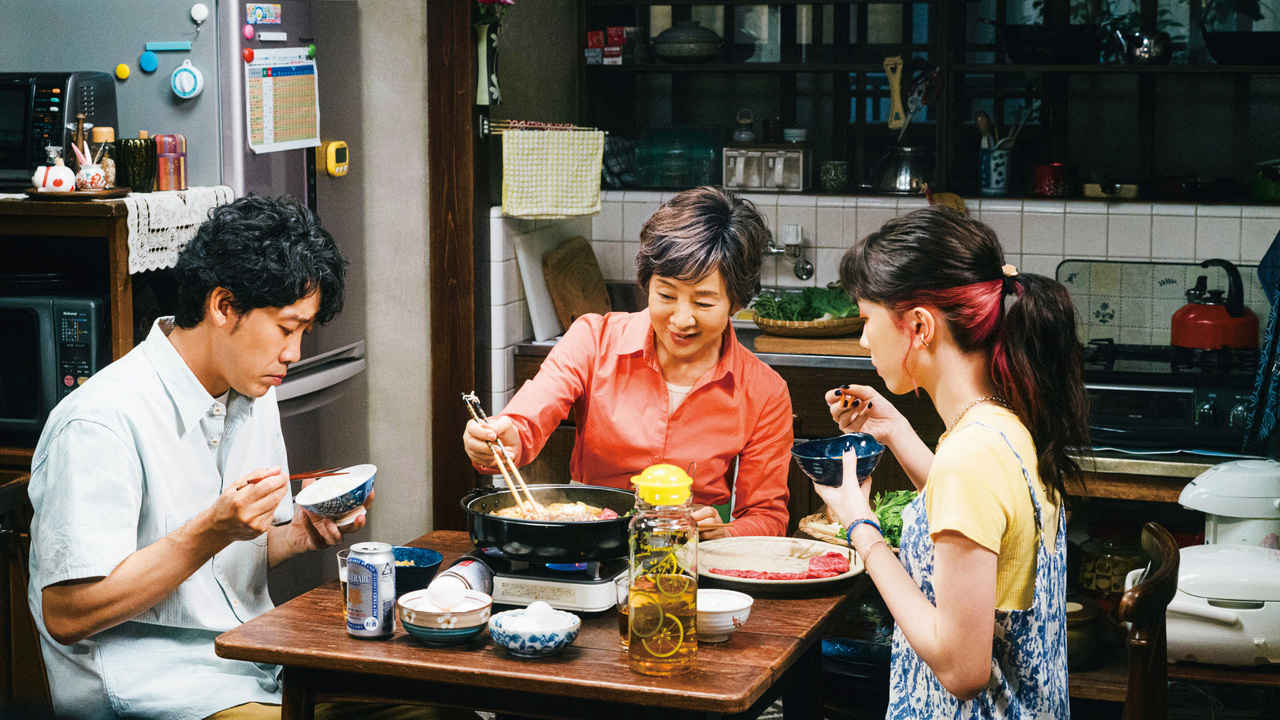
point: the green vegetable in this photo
(889, 514)
(813, 303)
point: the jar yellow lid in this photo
(663, 485)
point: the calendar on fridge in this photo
(281, 100)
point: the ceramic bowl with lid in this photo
(687, 41)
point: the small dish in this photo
(341, 496)
(529, 642)
(415, 567)
(720, 612)
(435, 626)
(822, 460)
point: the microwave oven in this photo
(39, 109)
(51, 346)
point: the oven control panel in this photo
(1149, 417)
(77, 335)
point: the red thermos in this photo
(171, 162)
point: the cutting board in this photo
(574, 280)
(810, 346)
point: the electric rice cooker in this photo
(1241, 503)
(1227, 607)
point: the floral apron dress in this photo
(1029, 653)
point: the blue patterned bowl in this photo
(339, 497)
(821, 459)
(434, 626)
(533, 643)
(414, 568)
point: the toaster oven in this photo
(39, 109)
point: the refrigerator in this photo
(92, 35)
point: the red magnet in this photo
(248, 55)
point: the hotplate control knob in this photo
(1239, 416)
(1209, 415)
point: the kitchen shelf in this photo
(707, 68)
(840, 94)
(1104, 69)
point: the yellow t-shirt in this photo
(976, 488)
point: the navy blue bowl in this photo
(415, 567)
(821, 459)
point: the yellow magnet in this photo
(122, 72)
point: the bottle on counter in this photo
(103, 148)
(663, 602)
(171, 162)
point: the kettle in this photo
(1208, 322)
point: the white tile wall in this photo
(1037, 235)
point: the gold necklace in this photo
(969, 406)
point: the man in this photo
(160, 486)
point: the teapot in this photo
(1209, 322)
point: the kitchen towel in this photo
(1266, 385)
(161, 223)
(551, 173)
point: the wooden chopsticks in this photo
(317, 473)
(504, 461)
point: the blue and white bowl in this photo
(822, 460)
(339, 497)
(533, 643)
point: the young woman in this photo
(978, 593)
(670, 384)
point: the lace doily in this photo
(161, 223)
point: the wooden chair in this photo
(1143, 606)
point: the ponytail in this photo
(1037, 363)
(1027, 323)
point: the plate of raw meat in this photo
(774, 563)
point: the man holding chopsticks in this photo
(160, 489)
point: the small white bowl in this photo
(720, 612)
(339, 497)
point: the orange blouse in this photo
(606, 369)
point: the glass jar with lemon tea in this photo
(662, 604)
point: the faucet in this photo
(793, 249)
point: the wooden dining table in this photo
(776, 654)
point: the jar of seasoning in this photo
(1111, 551)
(104, 152)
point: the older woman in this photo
(670, 384)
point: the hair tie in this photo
(1009, 285)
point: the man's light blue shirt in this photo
(129, 457)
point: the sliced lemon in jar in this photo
(646, 614)
(668, 639)
(673, 585)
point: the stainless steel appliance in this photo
(38, 109)
(52, 344)
(1146, 398)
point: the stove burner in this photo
(567, 567)
(1104, 354)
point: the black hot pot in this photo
(538, 541)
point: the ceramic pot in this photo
(687, 41)
(1082, 629)
(54, 178)
(91, 177)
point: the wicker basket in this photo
(811, 328)
(821, 526)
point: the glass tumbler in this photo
(342, 577)
(622, 587)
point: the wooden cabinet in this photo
(820, 66)
(89, 239)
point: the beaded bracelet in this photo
(848, 532)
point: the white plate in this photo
(768, 554)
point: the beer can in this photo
(371, 590)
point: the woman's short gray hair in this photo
(700, 231)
